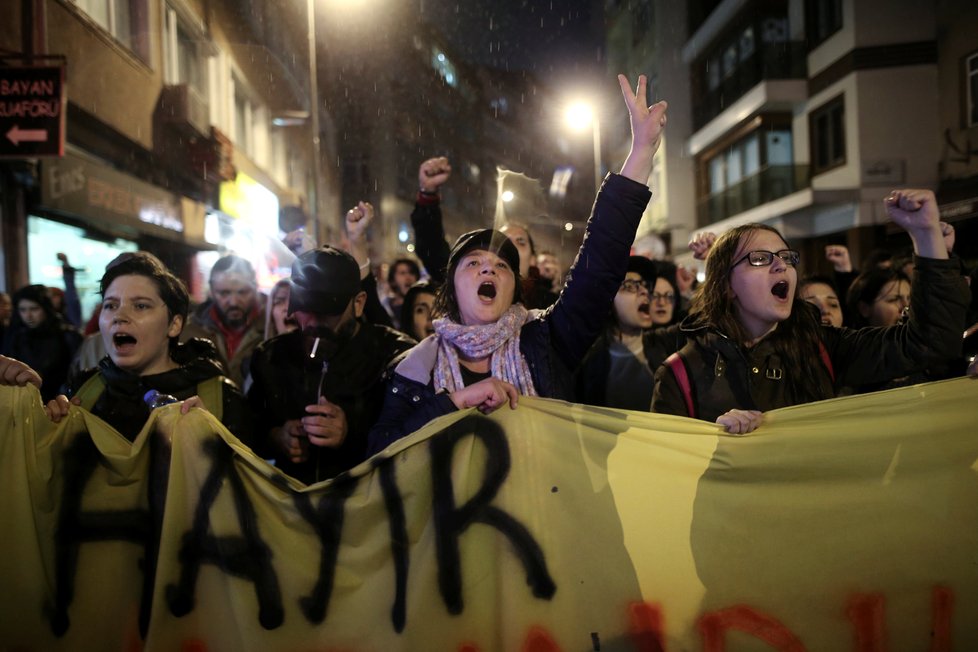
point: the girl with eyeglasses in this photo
(754, 346)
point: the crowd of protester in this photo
(326, 369)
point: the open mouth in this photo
(644, 308)
(123, 341)
(487, 290)
(780, 289)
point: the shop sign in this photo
(32, 116)
(77, 186)
(247, 200)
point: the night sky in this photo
(550, 38)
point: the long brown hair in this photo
(796, 339)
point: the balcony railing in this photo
(786, 60)
(770, 183)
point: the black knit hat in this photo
(486, 240)
(644, 268)
(323, 282)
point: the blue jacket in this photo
(553, 344)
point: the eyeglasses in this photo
(632, 285)
(668, 297)
(761, 258)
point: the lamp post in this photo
(317, 165)
(579, 116)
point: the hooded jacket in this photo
(48, 348)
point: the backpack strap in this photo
(826, 360)
(211, 392)
(677, 363)
(90, 390)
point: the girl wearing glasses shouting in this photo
(753, 346)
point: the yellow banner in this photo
(849, 524)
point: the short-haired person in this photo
(488, 349)
(144, 308)
(231, 317)
(316, 391)
(419, 302)
(617, 371)
(755, 347)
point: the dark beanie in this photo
(485, 240)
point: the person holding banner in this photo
(15, 372)
(488, 348)
(754, 346)
(144, 308)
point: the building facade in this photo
(181, 138)
(804, 114)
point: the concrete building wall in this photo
(103, 77)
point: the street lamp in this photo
(317, 164)
(580, 116)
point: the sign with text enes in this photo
(848, 525)
(32, 111)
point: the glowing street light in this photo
(580, 116)
(507, 196)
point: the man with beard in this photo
(231, 318)
(318, 390)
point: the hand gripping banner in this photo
(849, 524)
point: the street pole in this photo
(317, 164)
(596, 130)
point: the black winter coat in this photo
(48, 349)
(726, 376)
(286, 380)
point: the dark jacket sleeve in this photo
(373, 310)
(577, 318)
(238, 418)
(429, 237)
(408, 406)
(932, 335)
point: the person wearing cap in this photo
(232, 317)
(488, 349)
(318, 390)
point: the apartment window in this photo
(826, 126)
(824, 18)
(243, 118)
(971, 89)
(126, 20)
(186, 60)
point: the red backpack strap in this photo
(678, 366)
(826, 360)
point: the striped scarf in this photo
(501, 340)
